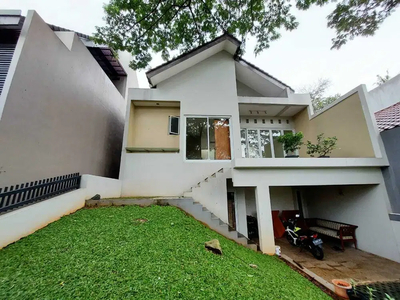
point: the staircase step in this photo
(187, 194)
(252, 247)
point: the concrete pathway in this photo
(354, 264)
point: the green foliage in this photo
(355, 17)
(371, 292)
(323, 147)
(291, 142)
(382, 79)
(317, 93)
(139, 26)
(388, 297)
(102, 254)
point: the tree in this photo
(381, 80)
(317, 92)
(161, 26)
(352, 18)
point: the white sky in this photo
(298, 58)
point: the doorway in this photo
(231, 210)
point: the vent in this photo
(6, 54)
(173, 125)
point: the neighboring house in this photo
(62, 102)
(208, 129)
(388, 121)
(385, 95)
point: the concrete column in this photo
(241, 216)
(264, 219)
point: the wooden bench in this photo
(338, 230)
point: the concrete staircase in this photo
(201, 213)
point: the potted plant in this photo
(323, 147)
(291, 142)
(341, 287)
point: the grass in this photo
(107, 253)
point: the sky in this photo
(299, 58)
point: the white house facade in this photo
(208, 129)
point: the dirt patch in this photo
(139, 221)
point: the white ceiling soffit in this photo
(192, 58)
(261, 110)
(258, 81)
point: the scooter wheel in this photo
(317, 252)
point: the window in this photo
(208, 138)
(173, 125)
(262, 143)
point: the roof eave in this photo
(162, 68)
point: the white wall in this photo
(105, 187)
(208, 88)
(384, 95)
(396, 232)
(62, 113)
(281, 198)
(364, 206)
(24, 221)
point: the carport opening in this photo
(344, 216)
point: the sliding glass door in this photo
(262, 143)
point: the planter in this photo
(357, 296)
(341, 288)
(291, 156)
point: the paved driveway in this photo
(353, 264)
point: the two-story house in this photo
(208, 129)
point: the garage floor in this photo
(351, 264)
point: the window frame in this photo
(208, 160)
(259, 141)
(170, 125)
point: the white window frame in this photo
(208, 160)
(169, 125)
(259, 140)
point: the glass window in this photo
(208, 138)
(196, 138)
(265, 144)
(243, 142)
(254, 147)
(256, 143)
(278, 147)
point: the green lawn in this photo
(104, 253)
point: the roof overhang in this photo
(259, 80)
(187, 60)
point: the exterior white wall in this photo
(27, 220)
(206, 89)
(62, 114)
(105, 187)
(281, 198)
(396, 232)
(385, 95)
(364, 206)
(212, 194)
(131, 81)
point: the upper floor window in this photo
(262, 143)
(208, 138)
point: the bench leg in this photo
(355, 243)
(342, 242)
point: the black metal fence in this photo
(22, 194)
